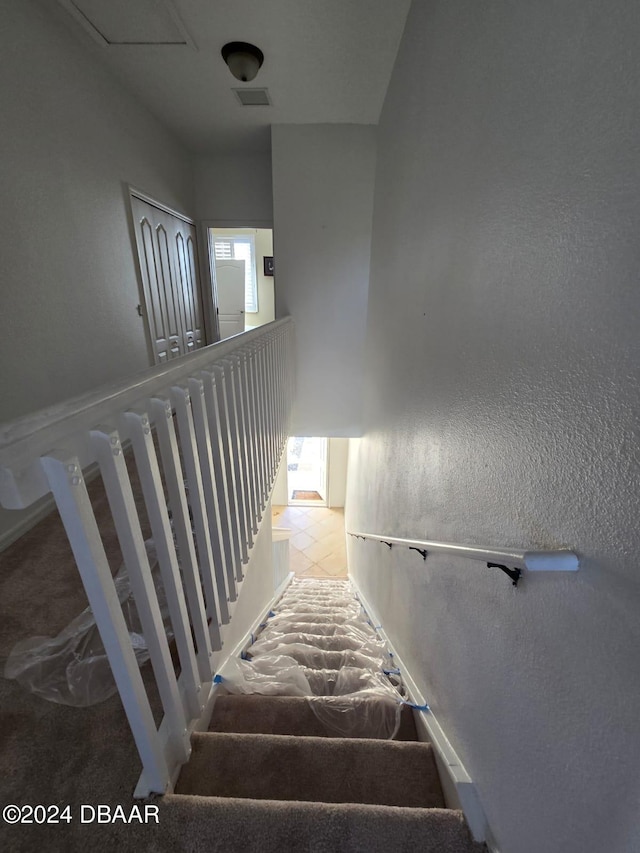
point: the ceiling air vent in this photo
(253, 97)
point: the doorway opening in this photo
(307, 467)
(244, 275)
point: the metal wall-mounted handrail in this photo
(510, 560)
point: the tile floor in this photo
(317, 546)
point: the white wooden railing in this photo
(221, 421)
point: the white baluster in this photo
(108, 449)
(205, 637)
(230, 465)
(292, 374)
(217, 430)
(283, 386)
(210, 487)
(227, 378)
(250, 440)
(136, 425)
(271, 400)
(217, 607)
(262, 419)
(243, 435)
(64, 476)
(254, 418)
(278, 396)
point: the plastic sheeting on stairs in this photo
(318, 644)
(72, 668)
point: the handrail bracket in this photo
(514, 574)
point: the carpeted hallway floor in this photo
(53, 754)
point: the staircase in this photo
(311, 748)
(339, 768)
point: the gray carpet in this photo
(328, 770)
(266, 777)
(54, 754)
(205, 825)
(283, 715)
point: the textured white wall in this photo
(323, 201)
(280, 494)
(338, 464)
(255, 593)
(234, 188)
(266, 312)
(71, 139)
(503, 401)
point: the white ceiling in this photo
(325, 61)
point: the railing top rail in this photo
(534, 561)
(37, 432)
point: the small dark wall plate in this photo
(268, 264)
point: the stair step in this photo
(351, 643)
(218, 825)
(328, 770)
(283, 715)
(328, 629)
(313, 658)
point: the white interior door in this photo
(230, 289)
(167, 254)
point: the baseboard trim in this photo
(41, 509)
(491, 843)
(26, 524)
(459, 790)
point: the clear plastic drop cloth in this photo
(319, 644)
(72, 668)
(315, 658)
(294, 603)
(317, 585)
(306, 597)
(367, 714)
(341, 682)
(289, 616)
(344, 629)
(320, 609)
(322, 681)
(354, 641)
(270, 675)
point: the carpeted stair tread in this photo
(329, 770)
(218, 825)
(283, 715)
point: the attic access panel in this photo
(123, 22)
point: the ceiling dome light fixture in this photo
(244, 60)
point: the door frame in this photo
(208, 265)
(207, 307)
(326, 503)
